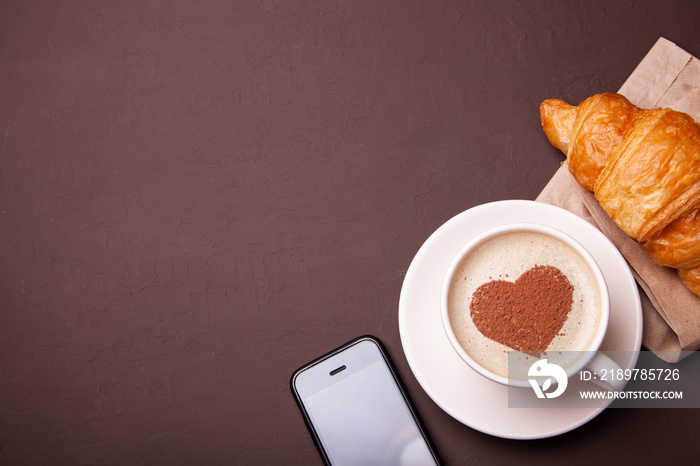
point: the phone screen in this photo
(358, 411)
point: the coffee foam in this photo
(506, 257)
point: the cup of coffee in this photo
(526, 291)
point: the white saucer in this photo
(455, 387)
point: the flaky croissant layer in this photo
(643, 166)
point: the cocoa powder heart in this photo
(526, 314)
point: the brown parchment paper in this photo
(668, 76)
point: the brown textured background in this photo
(197, 197)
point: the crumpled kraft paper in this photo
(668, 76)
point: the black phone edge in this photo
(395, 375)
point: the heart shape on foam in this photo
(524, 315)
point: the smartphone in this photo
(357, 410)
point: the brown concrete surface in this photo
(197, 197)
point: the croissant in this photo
(691, 279)
(643, 166)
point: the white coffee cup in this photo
(510, 249)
